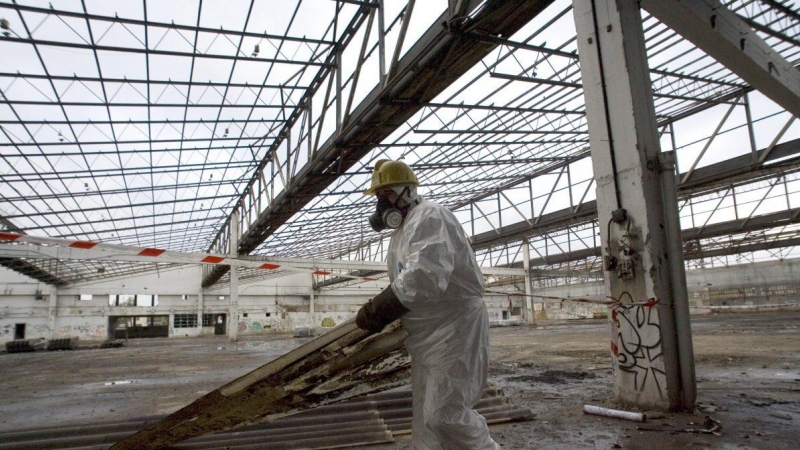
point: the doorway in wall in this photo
(19, 331)
(219, 325)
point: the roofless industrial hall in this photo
(399, 224)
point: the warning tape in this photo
(611, 303)
(166, 255)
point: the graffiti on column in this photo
(256, 326)
(242, 326)
(636, 345)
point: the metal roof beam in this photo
(145, 104)
(34, 76)
(148, 51)
(172, 26)
(701, 178)
(419, 77)
(721, 34)
(745, 248)
(766, 221)
(133, 122)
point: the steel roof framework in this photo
(161, 152)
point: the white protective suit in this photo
(435, 275)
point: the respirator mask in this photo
(386, 215)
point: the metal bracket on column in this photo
(654, 165)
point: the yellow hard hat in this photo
(389, 173)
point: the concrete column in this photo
(200, 301)
(625, 156)
(52, 312)
(526, 264)
(233, 305)
(311, 320)
(679, 290)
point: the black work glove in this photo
(380, 311)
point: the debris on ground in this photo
(712, 426)
(194, 367)
(781, 415)
(344, 363)
(554, 377)
(709, 409)
(113, 383)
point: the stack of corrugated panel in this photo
(69, 343)
(25, 345)
(395, 409)
(366, 420)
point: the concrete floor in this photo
(748, 370)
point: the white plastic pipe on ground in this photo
(615, 413)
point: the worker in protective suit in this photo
(437, 288)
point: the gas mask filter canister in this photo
(386, 215)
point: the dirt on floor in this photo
(748, 374)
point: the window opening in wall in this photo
(505, 315)
(122, 300)
(146, 300)
(208, 320)
(269, 314)
(244, 315)
(85, 297)
(221, 297)
(516, 311)
(132, 327)
(132, 300)
(184, 321)
(19, 331)
(184, 297)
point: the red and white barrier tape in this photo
(163, 255)
(612, 303)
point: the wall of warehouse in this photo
(281, 304)
(264, 306)
(758, 286)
